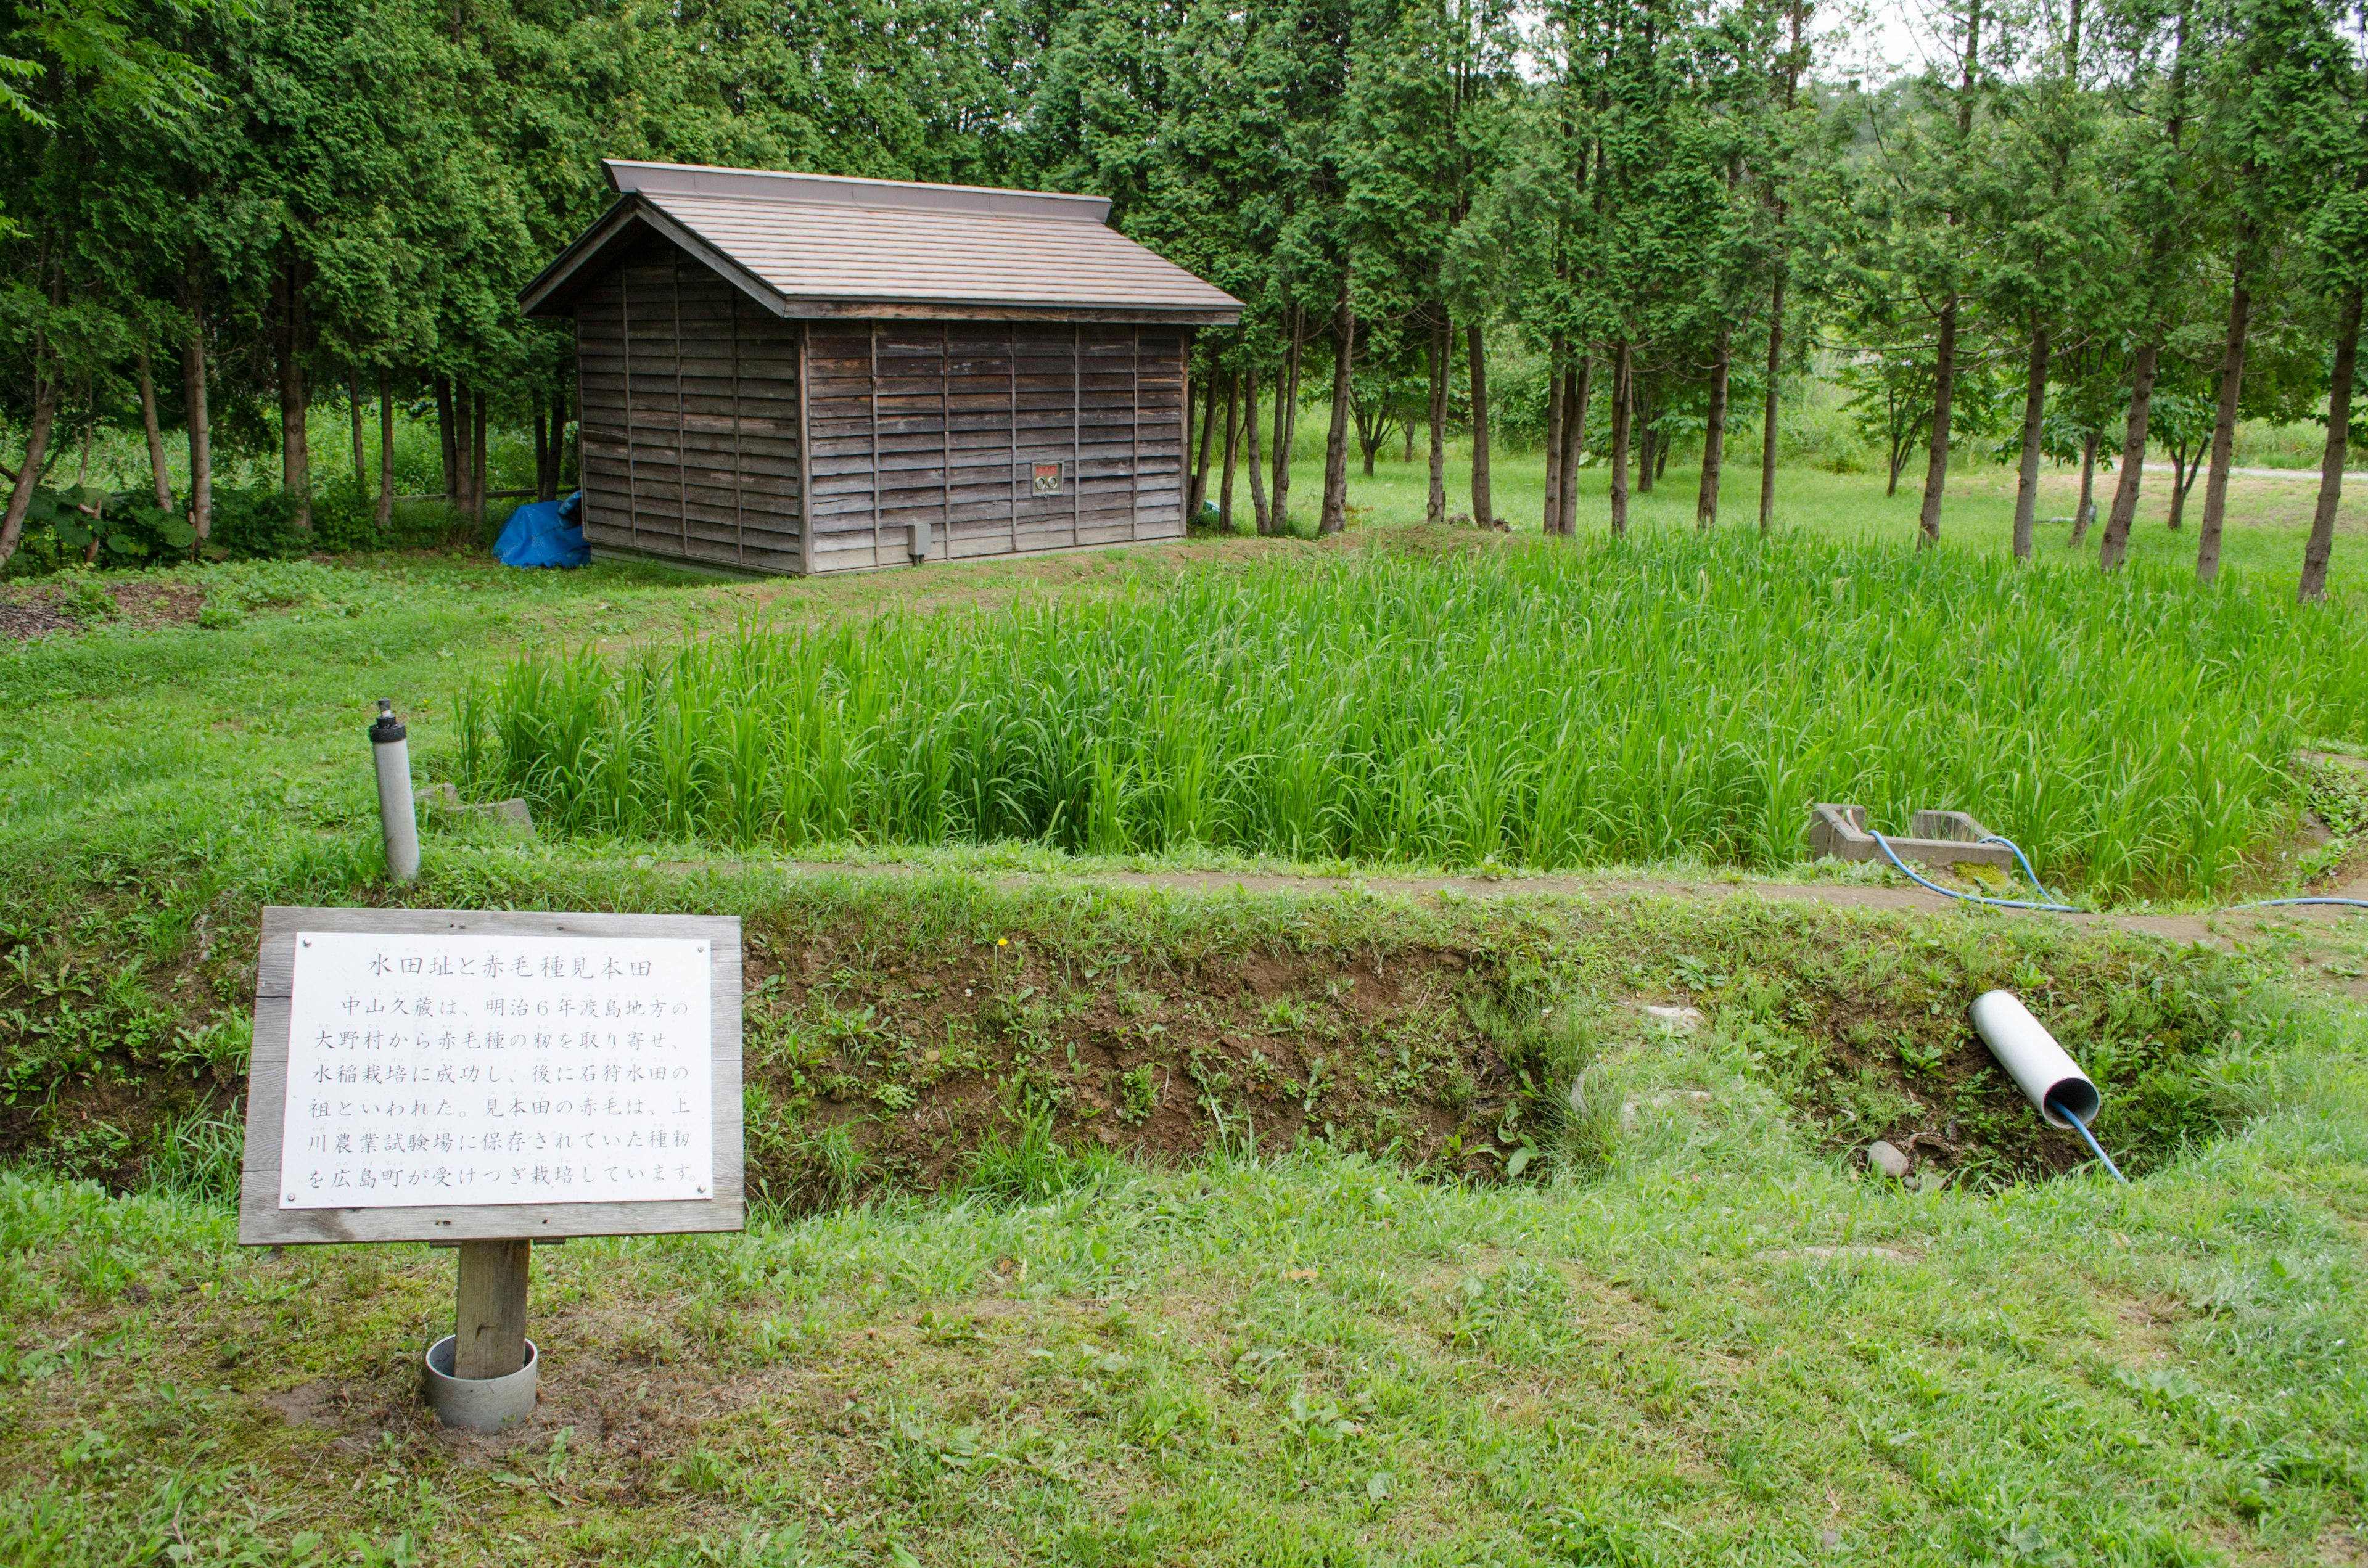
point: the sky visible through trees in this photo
(2073, 232)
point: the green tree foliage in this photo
(2084, 230)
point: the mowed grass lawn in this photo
(1718, 1348)
(1712, 1340)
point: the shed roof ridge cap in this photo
(631, 175)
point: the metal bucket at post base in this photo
(480, 1404)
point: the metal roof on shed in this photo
(825, 245)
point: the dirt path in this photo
(2324, 940)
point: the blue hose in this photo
(2025, 861)
(1885, 844)
(2069, 1115)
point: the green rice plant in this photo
(1548, 706)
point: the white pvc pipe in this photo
(398, 820)
(2039, 1066)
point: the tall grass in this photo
(1546, 705)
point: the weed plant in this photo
(1546, 707)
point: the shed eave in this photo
(883, 306)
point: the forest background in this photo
(2087, 230)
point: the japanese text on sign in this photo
(432, 1069)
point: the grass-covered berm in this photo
(1123, 1226)
(1545, 707)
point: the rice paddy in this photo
(1542, 705)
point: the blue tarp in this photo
(544, 533)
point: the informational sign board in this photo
(455, 1075)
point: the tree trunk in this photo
(559, 423)
(1334, 516)
(385, 447)
(1286, 432)
(1233, 449)
(1200, 491)
(1481, 501)
(1574, 441)
(478, 482)
(1646, 441)
(1713, 436)
(1944, 397)
(1442, 353)
(2115, 547)
(2224, 430)
(193, 397)
(156, 469)
(461, 448)
(353, 409)
(2086, 511)
(2315, 554)
(2034, 416)
(1556, 392)
(1768, 421)
(36, 450)
(295, 452)
(1622, 392)
(444, 416)
(1261, 515)
(2183, 472)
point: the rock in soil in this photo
(1882, 1156)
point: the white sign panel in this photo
(479, 1069)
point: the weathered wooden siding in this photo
(915, 432)
(690, 426)
(938, 426)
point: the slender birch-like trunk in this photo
(1574, 441)
(2315, 554)
(1767, 416)
(1936, 459)
(295, 450)
(1232, 451)
(161, 475)
(1555, 392)
(2034, 416)
(1333, 516)
(386, 447)
(1261, 513)
(2085, 513)
(1713, 436)
(1623, 390)
(2115, 546)
(2224, 429)
(1482, 500)
(1198, 496)
(193, 398)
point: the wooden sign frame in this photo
(261, 1221)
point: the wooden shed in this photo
(801, 373)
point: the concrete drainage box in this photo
(1935, 838)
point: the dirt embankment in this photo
(900, 1035)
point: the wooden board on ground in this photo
(466, 1075)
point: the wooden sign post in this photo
(487, 1079)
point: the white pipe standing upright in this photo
(2039, 1066)
(397, 820)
